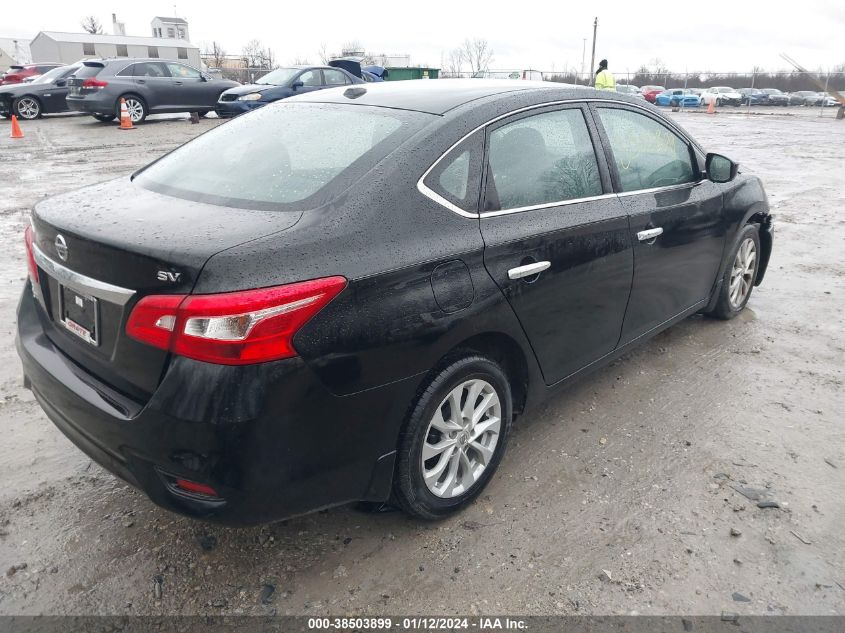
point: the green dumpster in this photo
(400, 74)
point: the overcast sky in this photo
(684, 34)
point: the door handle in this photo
(649, 234)
(528, 270)
(178, 83)
(141, 81)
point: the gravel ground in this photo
(621, 495)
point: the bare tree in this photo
(256, 56)
(323, 54)
(453, 63)
(91, 25)
(216, 54)
(352, 46)
(300, 61)
(478, 54)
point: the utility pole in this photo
(583, 54)
(593, 56)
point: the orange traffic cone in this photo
(16, 129)
(125, 119)
(711, 109)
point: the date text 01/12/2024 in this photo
(417, 623)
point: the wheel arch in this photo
(503, 349)
(766, 233)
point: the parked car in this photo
(753, 96)
(820, 99)
(43, 95)
(775, 97)
(721, 95)
(650, 92)
(149, 86)
(633, 91)
(678, 97)
(19, 73)
(323, 304)
(281, 84)
(804, 97)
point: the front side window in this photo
(180, 71)
(335, 78)
(541, 159)
(310, 78)
(282, 155)
(647, 153)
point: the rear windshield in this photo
(87, 71)
(281, 155)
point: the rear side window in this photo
(129, 71)
(282, 154)
(647, 153)
(541, 159)
(457, 177)
(335, 78)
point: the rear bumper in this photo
(270, 439)
(91, 104)
(226, 109)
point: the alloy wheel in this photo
(742, 273)
(135, 109)
(28, 108)
(461, 438)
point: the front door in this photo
(556, 238)
(677, 225)
(189, 87)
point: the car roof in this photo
(438, 96)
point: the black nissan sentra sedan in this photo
(351, 294)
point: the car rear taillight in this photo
(94, 83)
(30, 257)
(233, 328)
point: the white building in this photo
(13, 51)
(171, 28)
(69, 48)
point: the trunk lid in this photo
(103, 248)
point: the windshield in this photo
(282, 154)
(51, 76)
(278, 77)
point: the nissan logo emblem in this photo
(61, 247)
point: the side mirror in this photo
(296, 84)
(61, 83)
(719, 168)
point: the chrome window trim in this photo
(546, 205)
(433, 195)
(683, 185)
(81, 283)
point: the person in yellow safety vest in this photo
(604, 78)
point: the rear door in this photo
(677, 225)
(155, 85)
(557, 240)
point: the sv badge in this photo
(166, 275)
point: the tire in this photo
(104, 118)
(27, 107)
(738, 270)
(461, 470)
(137, 108)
